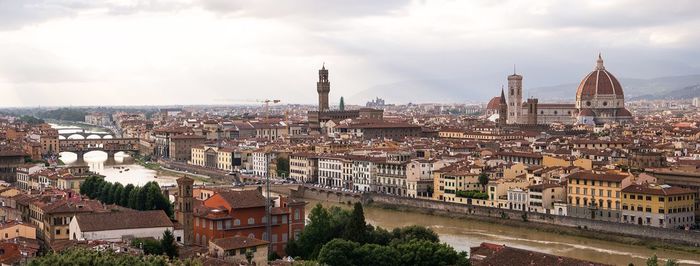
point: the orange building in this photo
(242, 213)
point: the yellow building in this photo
(596, 195)
(14, 229)
(549, 161)
(212, 157)
(451, 179)
(658, 205)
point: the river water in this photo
(463, 234)
(113, 170)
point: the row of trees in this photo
(68, 114)
(80, 256)
(148, 197)
(339, 237)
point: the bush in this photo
(472, 194)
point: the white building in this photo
(363, 174)
(517, 199)
(330, 171)
(261, 162)
(115, 226)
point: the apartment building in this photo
(596, 196)
(658, 205)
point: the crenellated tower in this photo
(323, 86)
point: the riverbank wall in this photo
(547, 222)
(534, 220)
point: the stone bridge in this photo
(84, 134)
(109, 145)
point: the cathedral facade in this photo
(599, 100)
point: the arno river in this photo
(462, 234)
(115, 171)
(458, 233)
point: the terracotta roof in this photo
(656, 190)
(243, 198)
(494, 103)
(10, 254)
(238, 242)
(623, 112)
(596, 176)
(122, 220)
(493, 254)
(599, 82)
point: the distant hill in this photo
(655, 88)
(478, 89)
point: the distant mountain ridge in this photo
(457, 90)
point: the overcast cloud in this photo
(100, 52)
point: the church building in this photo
(599, 100)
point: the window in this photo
(274, 219)
(296, 214)
(251, 220)
(228, 224)
(274, 238)
(58, 231)
(251, 235)
(284, 237)
(236, 222)
(284, 219)
(219, 225)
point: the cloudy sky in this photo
(121, 52)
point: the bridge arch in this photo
(93, 136)
(75, 136)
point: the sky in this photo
(149, 52)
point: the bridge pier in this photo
(80, 157)
(110, 158)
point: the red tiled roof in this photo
(596, 176)
(237, 242)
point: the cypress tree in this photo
(356, 228)
(126, 193)
(167, 243)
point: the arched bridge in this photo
(85, 135)
(111, 146)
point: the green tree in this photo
(338, 252)
(126, 193)
(103, 196)
(483, 180)
(341, 106)
(653, 261)
(80, 256)
(282, 167)
(356, 228)
(148, 245)
(316, 232)
(168, 245)
(414, 232)
(115, 194)
(134, 198)
(423, 252)
(377, 255)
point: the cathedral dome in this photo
(599, 84)
(493, 103)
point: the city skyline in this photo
(206, 52)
